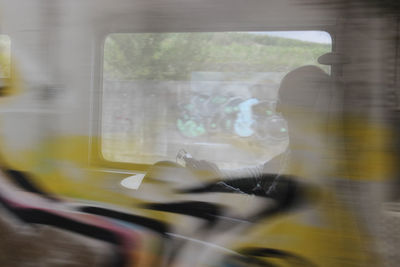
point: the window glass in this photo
(5, 56)
(211, 94)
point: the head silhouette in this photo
(305, 90)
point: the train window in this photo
(212, 94)
(5, 56)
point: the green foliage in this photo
(174, 56)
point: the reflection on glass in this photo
(199, 91)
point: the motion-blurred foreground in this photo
(199, 133)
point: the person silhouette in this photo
(304, 100)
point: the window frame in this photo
(96, 157)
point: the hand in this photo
(203, 168)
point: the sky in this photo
(310, 36)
